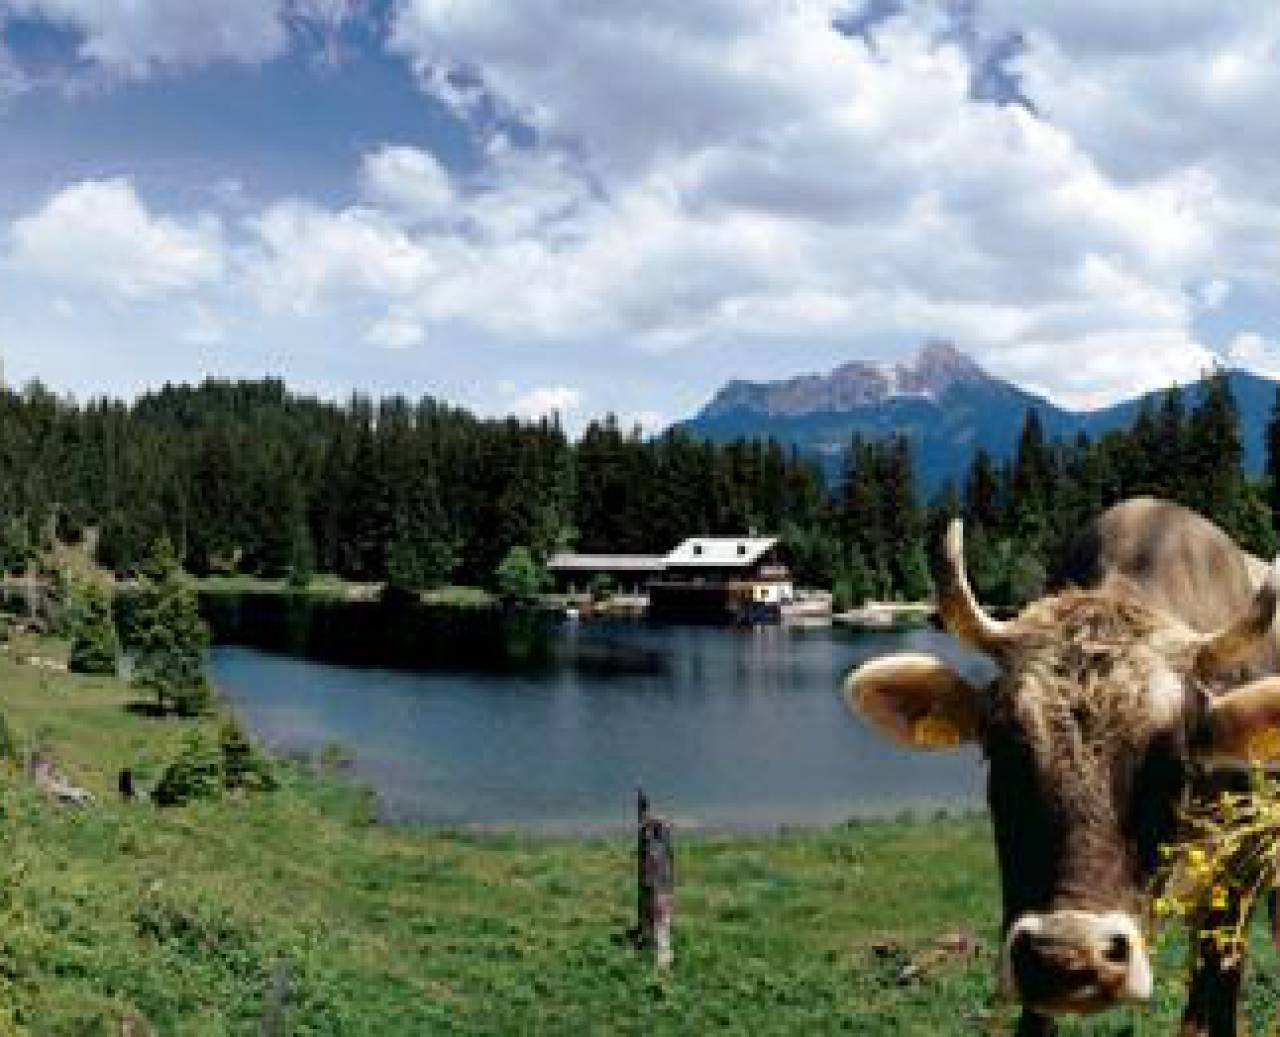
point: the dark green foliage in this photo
(168, 637)
(10, 750)
(95, 645)
(17, 549)
(246, 477)
(1021, 519)
(302, 558)
(1273, 461)
(1214, 455)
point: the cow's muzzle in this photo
(1075, 961)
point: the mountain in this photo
(946, 404)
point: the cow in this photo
(1153, 659)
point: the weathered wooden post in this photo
(656, 864)
(125, 784)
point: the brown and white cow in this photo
(1110, 695)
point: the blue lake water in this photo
(723, 727)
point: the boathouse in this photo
(705, 578)
(718, 578)
(631, 574)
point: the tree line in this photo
(247, 477)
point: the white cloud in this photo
(408, 181)
(547, 401)
(392, 332)
(1213, 293)
(776, 180)
(133, 37)
(203, 326)
(1255, 353)
(98, 233)
(303, 256)
(718, 176)
(651, 422)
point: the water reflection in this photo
(497, 719)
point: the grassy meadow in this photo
(126, 919)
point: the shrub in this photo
(519, 576)
(195, 774)
(203, 770)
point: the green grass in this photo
(459, 596)
(179, 918)
(323, 585)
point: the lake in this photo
(485, 719)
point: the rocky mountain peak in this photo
(936, 368)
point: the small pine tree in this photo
(243, 768)
(169, 638)
(95, 645)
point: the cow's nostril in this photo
(1118, 949)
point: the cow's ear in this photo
(916, 700)
(1244, 724)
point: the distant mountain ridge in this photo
(944, 401)
(939, 367)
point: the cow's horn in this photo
(961, 613)
(1238, 642)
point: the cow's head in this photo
(1100, 706)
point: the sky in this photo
(608, 205)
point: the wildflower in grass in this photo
(1226, 860)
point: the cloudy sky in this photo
(597, 205)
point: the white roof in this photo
(566, 561)
(720, 552)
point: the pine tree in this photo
(1031, 482)
(169, 638)
(982, 497)
(1273, 462)
(420, 554)
(1214, 474)
(1140, 472)
(1170, 442)
(95, 645)
(302, 558)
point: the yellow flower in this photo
(1219, 898)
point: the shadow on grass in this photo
(146, 708)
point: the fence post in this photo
(656, 872)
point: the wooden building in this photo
(705, 579)
(722, 578)
(630, 574)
